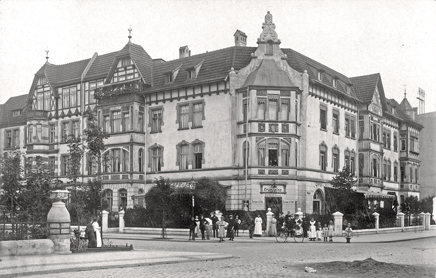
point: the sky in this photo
(394, 38)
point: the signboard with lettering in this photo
(272, 189)
(183, 184)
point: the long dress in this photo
(312, 231)
(258, 226)
(273, 227)
(97, 233)
(221, 228)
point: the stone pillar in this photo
(434, 209)
(121, 219)
(269, 215)
(377, 221)
(104, 221)
(422, 218)
(338, 223)
(401, 218)
(427, 221)
(58, 220)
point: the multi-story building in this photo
(428, 157)
(270, 124)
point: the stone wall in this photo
(26, 247)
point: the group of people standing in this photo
(215, 226)
(93, 234)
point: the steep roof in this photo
(101, 65)
(405, 104)
(268, 74)
(400, 113)
(365, 85)
(14, 103)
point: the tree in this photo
(159, 200)
(209, 195)
(342, 198)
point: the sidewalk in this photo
(43, 264)
(244, 238)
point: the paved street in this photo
(266, 259)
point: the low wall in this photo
(26, 247)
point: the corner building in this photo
(270, 124)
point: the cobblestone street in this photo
(256, 259)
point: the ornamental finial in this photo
(130, 32)
(46, 57)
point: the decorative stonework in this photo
(261, 93)
(268, 27)
(285, 172)
(273, 128)
(273, 172)
(261, 127)
(285, 93)
(285, 128)
(261, 171)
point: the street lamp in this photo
(192, 186)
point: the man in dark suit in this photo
(230, 226)
(214, 219)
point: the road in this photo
(270, 259)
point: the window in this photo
(141, 121)
(284, 109)
(116, 121)
(198, 156)
(65, 162)
(122, 199)
(52, 138)
(335, 153)
(395, 142)
(126, 121)
(156, 120)
(416, 175)
(347, 126)
(414, 146)
(89, 91)
(361, 129)
(91, 167)
(389, 165)
(183, 157)
(125, 70)
(191, 73)
(38, 132)
(395, 171)
(387, 139)
(66, 98)
(374, 167)
(184, 117)
(126, 159)
(116, 160)
(353, 126)
(347, 159)
(261, 109)
(8, 141)
(375, 132)
(273, 145)
(157, 159)
(284, 154)
(65, 131)
(385, 170)
(30, 134)
(169, 77)
(245, 152)
(335, 122)
(106, 162)
(261, 154)
(352, 163)
(323, 156)
(76, 129)
(244, 110)
(403, 173)
(16, 138)
(403, 144)
(16, 113)
(198, 114)
(52, 164)
(141, 160)
(323, 117)
(108, 197)
(272, 109)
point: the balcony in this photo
(37, 115)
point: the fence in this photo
(23, 231)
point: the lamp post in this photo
(192, 186)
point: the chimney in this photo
(184, 52)
(240, 38)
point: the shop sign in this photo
(273, 189)
(257, 201)
(183, 184)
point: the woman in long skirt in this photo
(97, 232)
(331, 228)
(273, 226)
(312, 231)
(221, 224)
(258, 226)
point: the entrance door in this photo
(275, 203)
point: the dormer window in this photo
(319, 75)
(126, 70)
(191, 73)
(334, 81)
(124, 62)
(41, 81)
(169, 77)
(16, 113)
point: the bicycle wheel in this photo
(298, 237)
(281, 236)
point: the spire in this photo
(269, 30)
(405, 93)
(130, 32)
(46, 57)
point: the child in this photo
(319, 231)
(331, 230)
(325, 232)
(348, 232)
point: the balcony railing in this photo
(37, 114)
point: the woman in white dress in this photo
(97, 232)
(312, 231)
(258, 226)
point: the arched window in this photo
(323, 156)
(108, 201)
(198, 154)
(261, 146)
(122, 199)
(335, 153)
(126, 160)
(284, 153)
(347, 158)
(318, 202)
(183, 155)
(141, 160)
(156, 158)
(273, 152)
(245, 152)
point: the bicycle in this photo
(284, 233)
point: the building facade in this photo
(428, 157)
(270, 124)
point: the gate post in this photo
(338, 223)
(401, 217)
(58, 220)
(427, 221)
(104, 221)
(377, 221)
(121, 223)
(269, 215)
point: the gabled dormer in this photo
(125, 70)
(172, 75)
(192, 72)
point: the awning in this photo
(376, 195)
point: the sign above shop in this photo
(273, 189)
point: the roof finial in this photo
(130, 32)
(46, 57)
(405, 93)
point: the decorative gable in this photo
(375, 106)
(124, 71)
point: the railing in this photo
(23, 231)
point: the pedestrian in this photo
(214, 219)
(208, 227)
(258, 226)
(230, 227)
(312, 231)
(97, 231)
(319, 231)
(290, 224)
(273, 226)
(221, 224)
(237, 223)
(331, 230)
(192, 226)
(305, 225)
(251, 227)
(197, 229)
(202, 227)
(281, 222)
(325, 232)
(348, 232)
(90, 235)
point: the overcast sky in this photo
(394, 38)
